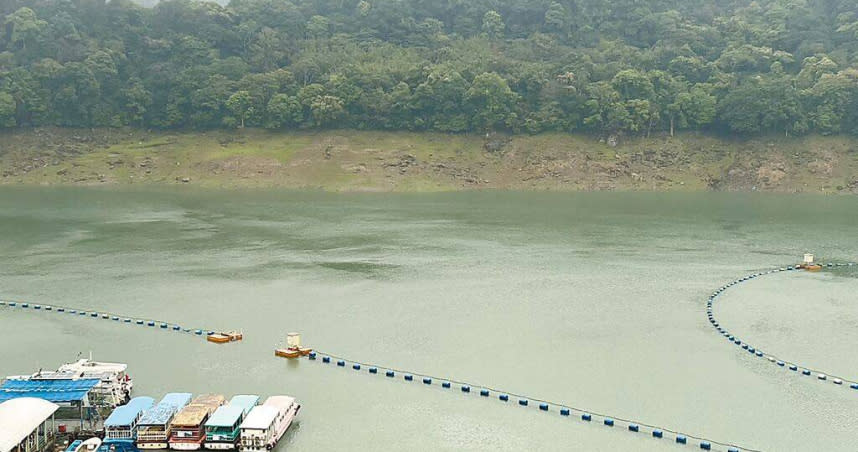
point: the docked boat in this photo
(115, 384)
(89, 445)
(267, 423)
(114, 387)
(120, 428)
(223, 427)
(153, 428)
(187, 431)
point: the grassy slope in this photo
(402, 161)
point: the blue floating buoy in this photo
(543, 407)
(522, 402)
(586, 417)
(564, 411)
(409, 377)
(681, 439)
(389, 373)
(484, 392)
(466, 388)
(705, 445)
(341, 363)
(373, 370)
(446, 384)
(657, 434)
(634, 428)
(503, 398)
(311, 355)
(326, 359)
(356, 366)
(608, 421)
(427, 381)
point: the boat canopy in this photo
(161, 413)
(246, 402)
(127, 414)
(225, 416)
(283, 402)
(191, 416)
(62, 390)
(210, 400)
(260, 418)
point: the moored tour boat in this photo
(187, 431)
(153, 428)
(267, 423)
(223, 427)
(120, 428)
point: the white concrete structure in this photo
(24, 424)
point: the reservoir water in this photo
(592, 299)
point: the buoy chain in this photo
(104, 315)
(774, 359)
(522, 400)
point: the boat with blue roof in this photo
(154, 427)
(120, 428)
(223, 427)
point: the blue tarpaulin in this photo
(51, 390)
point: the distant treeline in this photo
(600, 66)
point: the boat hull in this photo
(220, 446)
(185, 446)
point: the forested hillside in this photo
(633, 67)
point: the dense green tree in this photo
(491, 102)
(240, 104)
(7, 110)
(607, 67)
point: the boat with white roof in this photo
(267, 423)
(114, 386)
(153, 428)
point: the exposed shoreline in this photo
(354, 161)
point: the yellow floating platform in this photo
(222, 338)
(292, 352)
